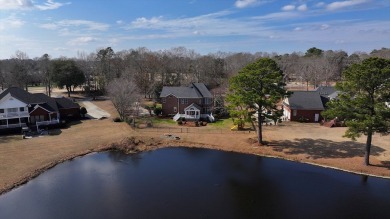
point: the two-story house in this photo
(193, 102)
(19, 108)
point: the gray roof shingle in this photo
(65, 103)
(306, 100)
(50, 104)
(325, 90)
(195, 90)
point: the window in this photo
(208, 100)
(175, 109)
(294, 112)
(21, 109)
(184, 101)
(1, 110)
(12, 110)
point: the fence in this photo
(194, 130)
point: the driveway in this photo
(94, 112)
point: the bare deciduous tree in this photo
(124, 95)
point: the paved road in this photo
(94, 112)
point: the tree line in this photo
(150, 70)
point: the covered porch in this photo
(192, 112)
(13, 123)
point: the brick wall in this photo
(171, 102)
(306, 114)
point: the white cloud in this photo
(50, 5)
(288, 8)
(279, 16)
(49, 26)
(324, 27)
(145, 23)
(10, 22)
(15, 4)
(81, 41)
(89, 25)
(302, 7)
(29, 5)
(344, 4)
(245, 3)
(216, 24)
(320, 4)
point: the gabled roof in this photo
(17, 93)
(325, 90)
(203, 90)
(305, 100)
(65, 103)
(44, 101)
(194, 105)
(195, 90)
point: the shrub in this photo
(157, 111)
(116, 119)
(83, 111)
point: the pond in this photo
(195, 183)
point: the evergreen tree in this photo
(365, 89)
(67, 74)
(257, 86)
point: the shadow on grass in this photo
(322, 148)
(384, 164)
(6, 139)
(70, 124)
(55, 132)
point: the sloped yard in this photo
(312, 143)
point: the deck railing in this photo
(13, 126)
(195, 130)
(51, 122)
(14, 115)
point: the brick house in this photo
(193, 102)
(19, 108)
(307, 105)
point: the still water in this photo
(195, 183)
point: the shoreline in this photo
(23, 160)
(139, 144)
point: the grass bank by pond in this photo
(22, 160)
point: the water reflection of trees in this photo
(254, 195)
(118, 156)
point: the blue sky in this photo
(63, 28)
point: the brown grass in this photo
(21, 160)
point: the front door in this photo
(316, 117)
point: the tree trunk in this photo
(69, 90)
(368, 148)
(49, 87)
(260, 123)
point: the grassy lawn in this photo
(225, 124)
(156, 121)
(222, 124)
(163, 121)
